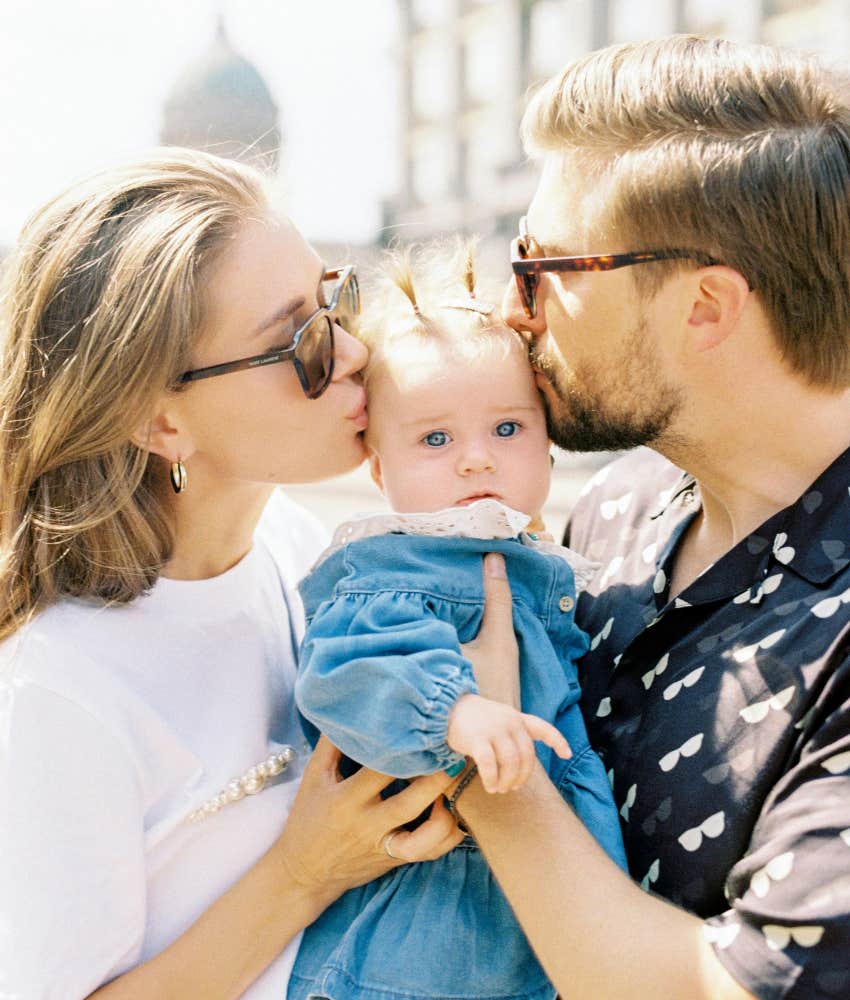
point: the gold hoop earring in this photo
(178, 476)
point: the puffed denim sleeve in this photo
(379, 675)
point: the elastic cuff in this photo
(455, 769)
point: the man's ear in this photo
(162, 435)
(375, 469)
(720, 297)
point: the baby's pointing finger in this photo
(539, 729)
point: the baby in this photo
(458, 445)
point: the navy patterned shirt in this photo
(723, 717)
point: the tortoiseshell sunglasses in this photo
(527, 269)
(312, 347)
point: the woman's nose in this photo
(350, 355)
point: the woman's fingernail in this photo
(494, 565)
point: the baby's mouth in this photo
(473, 497)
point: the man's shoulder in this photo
(632, 486)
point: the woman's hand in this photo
(493, 652)
(337, 830)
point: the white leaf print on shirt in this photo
(759, 710)
(712, 827)
(631, 795)
(656, 671)
(782, 552)
(767, 586)
(687, 749)
(778, 938)
(829, 605)
(651, 875)
(648, 554)
(611, 570)
(775, 870)
(609, 509)
(722, 936)
(748, 652)
(603, 634)
(837, 764)
(672, 690)
(597, 480)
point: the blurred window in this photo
(632, 22)
(774, 7)
(434, 83)
(485, 52)
(433, 166)
(484, 152)
(429, 13)
(559, 32)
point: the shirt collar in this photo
(810, 537)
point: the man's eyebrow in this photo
(280, 315)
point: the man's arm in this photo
(595, 932)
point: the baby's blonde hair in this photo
(429, 297)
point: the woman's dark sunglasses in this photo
(528, 268)
(312, 347)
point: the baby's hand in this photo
(500, 739)
(537, 528)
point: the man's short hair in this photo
(742, 152)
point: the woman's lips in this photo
(360, 417)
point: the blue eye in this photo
(436, 439)
(507, 428)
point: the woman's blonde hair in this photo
(430, 296)
(101, 307)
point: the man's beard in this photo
(622, 407)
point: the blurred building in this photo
(222, 104)
(466, 67)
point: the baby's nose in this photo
(476, 458)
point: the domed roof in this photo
(222, 103)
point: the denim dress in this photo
(381, 668)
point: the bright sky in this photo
(84, 81)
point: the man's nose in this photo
(515, 316)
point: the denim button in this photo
(566, 603)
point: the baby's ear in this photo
(375, 469)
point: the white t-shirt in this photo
(115, 724)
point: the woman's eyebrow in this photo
(280, 315)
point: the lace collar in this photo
(482, 519)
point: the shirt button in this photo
(566, 603)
